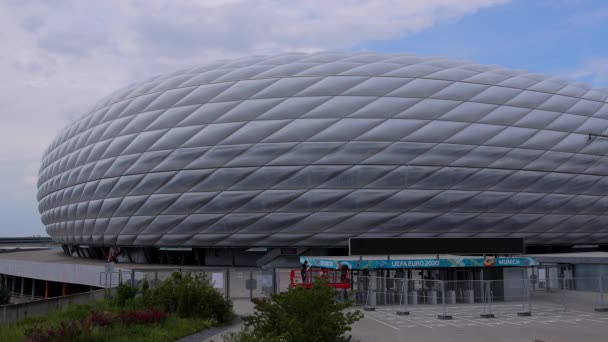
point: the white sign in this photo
(109, 266)
(542, 277)
(266, 280)
(217, 280)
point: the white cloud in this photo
(58, 57)
(594, 71)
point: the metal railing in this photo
(525, 294)
(233, 283)
(579, 294)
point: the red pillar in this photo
(64, 289)
(46, 289)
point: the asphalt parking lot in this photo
(546, 324)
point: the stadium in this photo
(296, 153)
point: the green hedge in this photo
(189, 303)
(188, 296)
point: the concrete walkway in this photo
(242, 307)
(215, 334)
(54, 265)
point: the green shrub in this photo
(65, 331)
(189, 296)
(299, 315)
(5, 297)
(124, 293)
(145, 286)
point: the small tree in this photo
(124, 292)
(299, 315)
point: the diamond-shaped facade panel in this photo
(310, 149)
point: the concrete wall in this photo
(74, 273)
(84, 274)
(13, 312)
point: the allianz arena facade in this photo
(307, 150)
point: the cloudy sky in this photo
(58, 57)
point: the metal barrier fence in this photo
(113, 279)
(233, 283)
(580, 294)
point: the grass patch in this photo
(170, 329)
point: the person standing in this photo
(305, 268)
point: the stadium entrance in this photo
(378, 277)
(422, 276)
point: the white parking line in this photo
(585, 314)
(379, 321)
(466, 317)
(533, 319)
(553, 319)
(503, 320)
(557, 315)
(435, 319)
(408, 320)
(461, 318)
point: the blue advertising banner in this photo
(421, 263)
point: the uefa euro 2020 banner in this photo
(421, 263)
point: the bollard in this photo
(445, 309)
(403, 311)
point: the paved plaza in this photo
(547, 323)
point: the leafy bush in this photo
(73, 330)
(189, 296)
(5, 297)
(101, 318)
(124, 292)
(299, 315)
(145, 286)
(142, 316)
(65, 331)
(96, 315)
